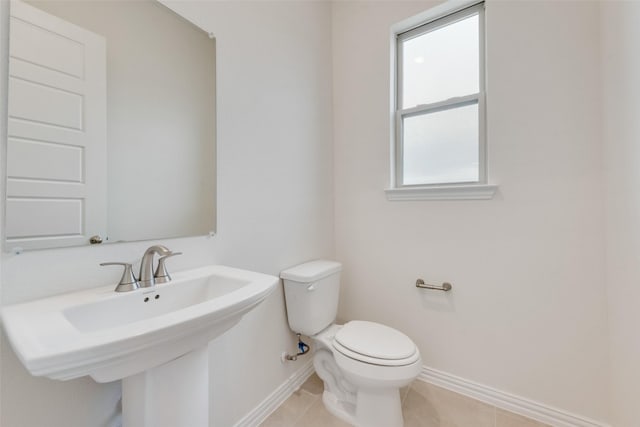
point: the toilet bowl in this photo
(362, 383)
(363, 364)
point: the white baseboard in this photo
(509, 402)
(277, 398)
(500, 399)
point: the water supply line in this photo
(303, 348)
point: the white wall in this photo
(621, 32)
(275, 170)
(527, 311)
(274, 210)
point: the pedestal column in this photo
(170, 395)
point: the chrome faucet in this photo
(146, 278)
(128, 281)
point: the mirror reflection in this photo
(111, 127)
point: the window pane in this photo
(441, 147)
(441, 64)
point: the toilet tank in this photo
(311, 293)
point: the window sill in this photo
(443, 192)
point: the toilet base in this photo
(338, 408)
(379, 408)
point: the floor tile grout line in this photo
(307, 410)
(313, 401)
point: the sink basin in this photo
(110, 335)
(149, 303)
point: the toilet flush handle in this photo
(311, 288)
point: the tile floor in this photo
(423, 405)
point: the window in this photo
(439, 116)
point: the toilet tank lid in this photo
(311, 271)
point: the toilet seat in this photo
(375, 344)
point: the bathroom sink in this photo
(112, 335)
(150, 302)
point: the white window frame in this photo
(446, 14)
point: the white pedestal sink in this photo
(154, 339)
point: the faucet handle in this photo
(128, 281)
(162, 275)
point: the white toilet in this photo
(363, 364)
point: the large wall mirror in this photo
(111, 124)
